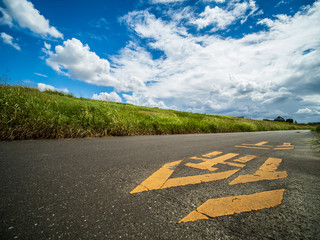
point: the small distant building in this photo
(279, 119)
(289, 120)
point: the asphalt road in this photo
(138, 187)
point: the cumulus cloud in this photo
(165, 1)
(304, 111)
(6, 38)
(24, 13)
(221, 18)
(113, 97)
(75, 60)
(42, 87)
(141, 100)
(308, 111)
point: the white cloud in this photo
(168, 37)
(217, 1)
(283, 2)
(165, 1)
(6, 38)
(113, 97)
(141, 100)
(5, 19)
(133, 68)
(24, 13)
(221, 18)
(308, 111)
(304, 111)
(42, 87)
(76, 61)
(312, 98)
(217, 16)
(41, 75)
(47, 46)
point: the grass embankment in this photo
(27, 113)
(317, 139)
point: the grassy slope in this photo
(317, 139)
(27, 113)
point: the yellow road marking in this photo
(258, 144)
(266, 172)
(161, 178)
(251, 147)
(208, 163)
(212, 154)
(262, 145)
(245, 159)
(285, 146)
(182, 181)
(227, 205)
(235, 204)
(157, 179)
(204, 165)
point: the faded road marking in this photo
(235, 204)
(262, 145)
(212, 154)
(240, 146)
(245, 159)
(267, 171)
(285, 146)
(259, 144)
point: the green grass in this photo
(316, 141)
(27, 113)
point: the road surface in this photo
(261, 185)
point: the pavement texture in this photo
(80, 188)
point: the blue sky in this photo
(257, 59)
